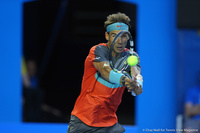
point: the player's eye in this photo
(124, 36)
(113, 35)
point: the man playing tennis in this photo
(104, 82)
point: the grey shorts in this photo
(77, 126)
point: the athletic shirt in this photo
(193, 97)
(99, 99)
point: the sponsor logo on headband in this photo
(117, 26)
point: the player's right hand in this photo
(132, 85)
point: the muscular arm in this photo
(104, 69)
(136, 75)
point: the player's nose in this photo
(119, 40)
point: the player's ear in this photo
(106, 36)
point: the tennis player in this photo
(102, 85)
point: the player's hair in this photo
(118, 17)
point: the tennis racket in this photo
(134, 71)
(121, 64)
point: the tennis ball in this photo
(132, 60)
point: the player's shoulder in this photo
(127, 51)
(99, 47)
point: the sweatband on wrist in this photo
(133, 93)
(117, 26)
(115, 77)
(140, 82)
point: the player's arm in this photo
(135, 72)
(136, 75)
(107, 72)
(137, 68)
(104, 68)
(114, 77)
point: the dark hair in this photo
(118, 17)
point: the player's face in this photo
(120, 43)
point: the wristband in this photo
(115, 77)
(140, 82)
(133, 93)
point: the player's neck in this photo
(116, 55)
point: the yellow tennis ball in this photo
(132, 60)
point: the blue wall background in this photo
(157, 45)
(10, 59)
(189, 65)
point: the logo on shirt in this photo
(97, 58)
(119, 25)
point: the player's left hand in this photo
(137, 90)
(133, 85)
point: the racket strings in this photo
(121, 64)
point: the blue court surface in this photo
(43, 128)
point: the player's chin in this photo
(119, 49)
